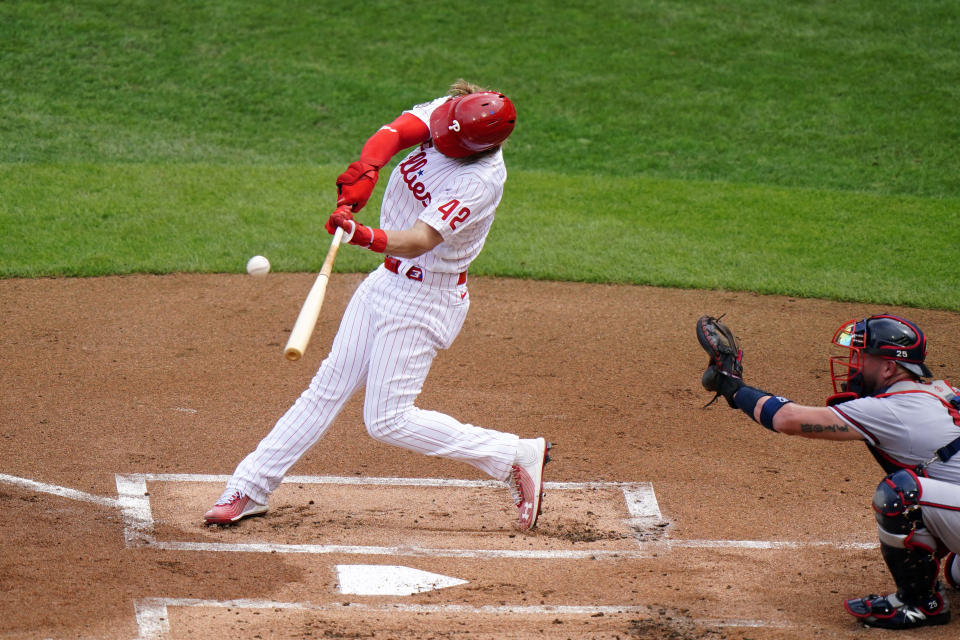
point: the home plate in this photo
(389, 580)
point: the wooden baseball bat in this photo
(310, 311)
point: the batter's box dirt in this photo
(587, 517)
(358, 621)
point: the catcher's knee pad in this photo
(896, 506)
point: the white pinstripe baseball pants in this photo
(389, 335)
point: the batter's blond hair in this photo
(462, 88)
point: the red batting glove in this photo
(355, 185)
(343, 211)
(356, 233)
(342, 218)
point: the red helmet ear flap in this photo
(473, 123)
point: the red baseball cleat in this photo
(527, 486)
(232, 507)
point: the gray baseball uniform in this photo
(905, 426)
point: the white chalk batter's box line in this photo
(640, 500)
(134, 499)
(153, 619)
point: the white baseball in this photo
(258, 266)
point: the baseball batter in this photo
(438, 206)
(911, 426)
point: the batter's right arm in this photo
(412, 242)
(355, 185)
(403, 243)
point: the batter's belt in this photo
(418, 274)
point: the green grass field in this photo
(807, 148)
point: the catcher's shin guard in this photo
(915, 573)
(909, 551)
(908, 548)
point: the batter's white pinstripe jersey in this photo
(457, 197)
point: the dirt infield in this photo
(127, 400)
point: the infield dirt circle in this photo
(126, 401)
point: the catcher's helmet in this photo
(472, 123)
(890, 337)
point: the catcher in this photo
(911, 426)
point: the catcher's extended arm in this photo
(724, 373)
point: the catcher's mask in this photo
(890, 337)
(472, 123)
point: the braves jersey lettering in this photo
(412, 169)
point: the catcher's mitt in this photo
(724, 374)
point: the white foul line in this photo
(73, 494)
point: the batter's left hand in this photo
(355, 185)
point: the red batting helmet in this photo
(472, 123)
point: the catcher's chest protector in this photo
(947, 395)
